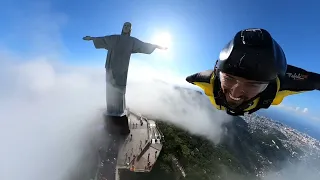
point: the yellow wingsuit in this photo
(296, 81)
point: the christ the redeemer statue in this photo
(120, 47)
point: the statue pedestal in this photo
(116, 125)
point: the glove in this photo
(87, 38)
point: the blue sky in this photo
(198, 29)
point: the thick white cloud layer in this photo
(48, 120)
(50, 113)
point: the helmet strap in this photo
(215, 70)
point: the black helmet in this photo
(253, 54)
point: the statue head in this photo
(126, 29)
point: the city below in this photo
(303, 141)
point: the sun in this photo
(162, 39)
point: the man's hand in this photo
(87, 38)
(162, 48)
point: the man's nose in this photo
(237, 90)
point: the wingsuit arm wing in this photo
(315, 79)
(105, 42)
(203, 80)
(143, 47)
(298, 80)
(202, 77)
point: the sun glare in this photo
(163, 39)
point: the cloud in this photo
(298, 109)
(46, 124)
(182, 107)
(292, 108)
(305, 110)
(51, 112)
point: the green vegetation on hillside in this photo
(198, 156)
(241, 155)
